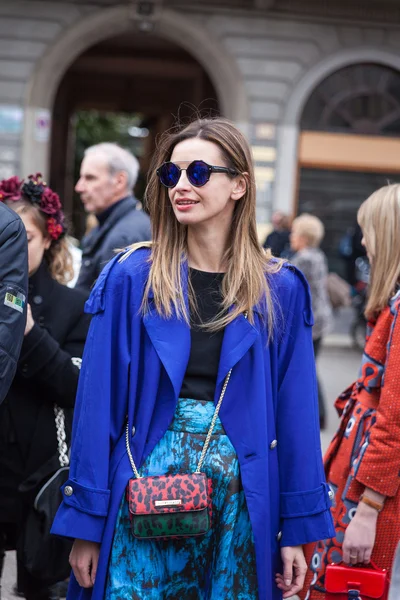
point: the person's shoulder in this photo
(285, 276)
(124, 231)
(128, 268)
(9, 221)
(290, 288)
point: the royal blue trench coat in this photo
(133, 368)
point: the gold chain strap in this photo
(209, 434)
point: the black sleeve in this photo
(44, 362)
(13, 294)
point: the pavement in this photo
(337, 366)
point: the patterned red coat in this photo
(365, 451)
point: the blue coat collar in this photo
(171, 340)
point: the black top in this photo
(201, 373)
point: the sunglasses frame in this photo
(211, 169)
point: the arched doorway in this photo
(103, 24)
(349, 146)
(133, 84)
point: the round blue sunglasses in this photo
(198, 173)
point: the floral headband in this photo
(36, 191)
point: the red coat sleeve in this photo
(380, 467)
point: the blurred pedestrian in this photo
(362, 463)
(48, 366)
(350, 249)
(278, 241)
(171, 322)
(108, 175)
(305, 238)
(13, 290)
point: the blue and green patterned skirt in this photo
(219, 565)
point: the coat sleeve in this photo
(379, 468)
(43, 361)
(304, 498)
(13, 293)
(100, 409)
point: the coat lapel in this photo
(239, 336)
(170, 338)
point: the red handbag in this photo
(356, 583)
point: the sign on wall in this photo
(42, 125)
(11, 119)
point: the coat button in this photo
(41, 320)
(279, 536)
(133, 430)
(24, 369)
(37, 300)
(273, 444)
(68, 490)
(331, 495)
(87, 262)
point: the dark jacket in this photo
(278, 242)
(48, 371)
(125, 225)
(13, 292)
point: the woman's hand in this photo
(294, 571)
(360, 534)
(29, 320)
(84, 559)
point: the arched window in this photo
(359, 99)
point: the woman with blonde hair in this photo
(305, 237)
(198, 367)
(362, 464)
(47, 370)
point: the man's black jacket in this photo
(13, 293)
(124, 225)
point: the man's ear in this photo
(122, 179)
(239, 187)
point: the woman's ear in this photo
(47, 242)
(240, 186)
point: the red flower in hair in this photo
(50, 202)
(55, 229)
(10, 189)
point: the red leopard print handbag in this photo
(172, 506)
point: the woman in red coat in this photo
(362, 463)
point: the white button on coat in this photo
(279, 536)
(273, 444)
(133, 430)
(68, 490)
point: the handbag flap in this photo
(168, 494)
(370, 583)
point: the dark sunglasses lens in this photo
(198, 173)
(169, 174)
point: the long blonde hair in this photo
(248, 265)
(58, 256)
(379, 219)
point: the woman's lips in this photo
(185, 204)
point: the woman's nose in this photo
(183, 183)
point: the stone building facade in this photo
(264, 59)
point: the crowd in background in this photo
(46, 278)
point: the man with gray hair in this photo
(107, 177)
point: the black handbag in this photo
(46, 556)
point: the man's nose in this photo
(79, 186)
